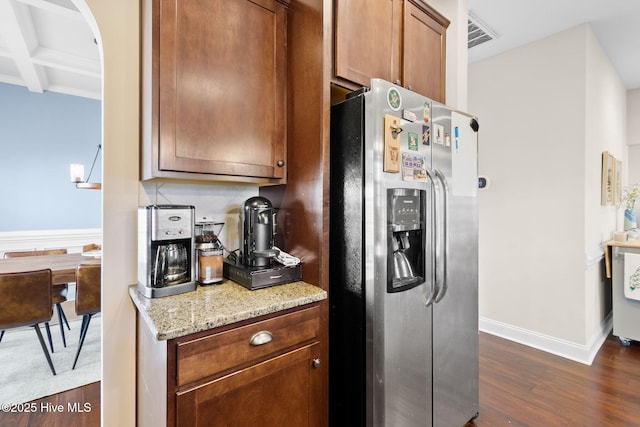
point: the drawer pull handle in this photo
(260, 338)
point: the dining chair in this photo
(25, 300)
(58, 291)
(88, 298)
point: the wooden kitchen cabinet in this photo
(277, 392)
(402, 41)
(214, 90)
(263, 372)
(364, 40)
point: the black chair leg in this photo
(44, 348)
(1, 335)
(60, 317)
(83, 334)
(64, 316)
(83, 325)
(46, 326)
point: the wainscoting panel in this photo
(73, 240)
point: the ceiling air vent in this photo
(477, 32)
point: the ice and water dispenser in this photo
(405, 238)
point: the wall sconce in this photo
(77, 174)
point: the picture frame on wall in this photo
(618, 182)
(608, 179)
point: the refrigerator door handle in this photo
(433, 291)
(442, 258)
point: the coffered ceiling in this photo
(47, 45)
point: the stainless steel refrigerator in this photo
(403, 295)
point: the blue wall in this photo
(40, 136)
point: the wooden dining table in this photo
(63, 267)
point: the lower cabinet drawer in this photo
(213, 354)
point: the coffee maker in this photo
(257, 232)
(165, 250)
(405, 238)
(255, 266)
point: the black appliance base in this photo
(254, 278)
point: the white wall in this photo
(633, 138)
(117, 28)
(533, 104)
(606, 130)
(456, 86)
(633, 128)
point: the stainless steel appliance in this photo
(255, 266)
(403, 261)
(165, 250)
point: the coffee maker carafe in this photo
(170, 266)
(165, 250)
(257, 231)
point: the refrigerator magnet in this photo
(409, 115)
(394, 99)
(426, 135)
(426, 112)
(392, 132)
(438, 134)
(413, 167)
(412, 140)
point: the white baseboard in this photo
(30, 240)
(567, 349)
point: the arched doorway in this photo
(35, 14)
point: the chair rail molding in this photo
(72, 239)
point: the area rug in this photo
(25, 374)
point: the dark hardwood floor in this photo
(521, 386)
(78, 407)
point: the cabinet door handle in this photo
(280, 163)
(315, 363)
(260, 338)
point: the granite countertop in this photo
(209, 307)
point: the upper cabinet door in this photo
(222, 87)
(364, 37)
(424, 53)
(401, 41)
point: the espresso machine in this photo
(166, 261)
(257, 232)
(256, 265)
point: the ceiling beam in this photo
(67, 62)
(17, 30)
(69, 12)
